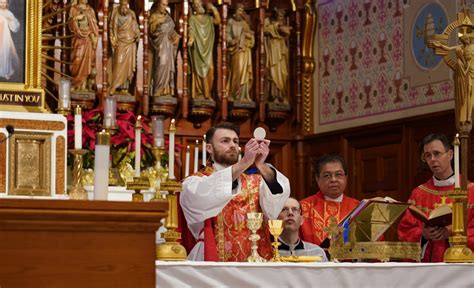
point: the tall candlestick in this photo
(196, 156)
(171, 150)
(186, 166)
(456, 162)
(138, 145)
(110, 112)
(101, 166)
(204, 156)
(158, 135)
(78, 128)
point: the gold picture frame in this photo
(30, 164)
(24, 94)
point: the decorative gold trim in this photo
(30, 164)
(220, 237)
(309, 32)
(60, 164)
(436, 192)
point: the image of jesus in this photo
(8, 54)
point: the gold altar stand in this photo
(57, 243)
(358, 235)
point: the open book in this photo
(440, 216)
(370, 219)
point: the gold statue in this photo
(276, 34)
(240, 40)
(201, 44)
(124, 36)
(83, 26)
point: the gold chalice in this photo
(276, 228)
(254, 222)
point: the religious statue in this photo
(83, 25)
(124, 35)
(164, 41)
(240, 40)
(463, 76)
(8, 54)
(276, 33)
(201, 45)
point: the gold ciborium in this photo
(254, 222)
(276, 228)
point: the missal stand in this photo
(356, 237)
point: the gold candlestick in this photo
(254, 222)
(276, 228)
(77, 192)
(138, 184)
(161, 172)
(171, 250)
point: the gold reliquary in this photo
(358, 235)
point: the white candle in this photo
(65, 93)
(456, 162)
(110, 112)
(101, 166)
(240, 153)
(196, 156)
(138, 145)
(78, 128)
(204, 156)
(186, 166)
(171, 150)
(157, 126)
(185, 7)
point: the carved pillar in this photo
(146, 84)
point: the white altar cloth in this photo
(215, 274)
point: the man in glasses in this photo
(291, 244)
(436, 151)
(329, 202)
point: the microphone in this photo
(10, 131)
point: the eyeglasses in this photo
(294, 210)
(428, 156)
(327, 176)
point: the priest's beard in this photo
(225, 158)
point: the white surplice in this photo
(205, 197)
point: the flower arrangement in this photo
(122, 142)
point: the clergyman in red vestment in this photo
(437, 153)
(331, 176)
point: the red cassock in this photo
(425, 197)
(317, 212)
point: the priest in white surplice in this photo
(216, 200)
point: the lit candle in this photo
(456, 162)
(240, 153)
(186, 166)
(204, 156)
(196, 156)
(185, 8)
(157, 126)
(78, 128)
(110, 111)
(171, 150)
(64, 93)
(138, 145)
(101, 166)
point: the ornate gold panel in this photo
(30, 164)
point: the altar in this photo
(391, 274)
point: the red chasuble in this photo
(424, 197)
(226, 235)
(317, 211)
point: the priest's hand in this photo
(264, 150)
(436, 233)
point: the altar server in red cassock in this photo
(331, 176)
(437, 153)
(216, 200)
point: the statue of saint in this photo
(83, 26)
(463, 78)
(276, 33)
(164, 42)
(201, 43)
(240, 40)
(8, 55)
(124, 35)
